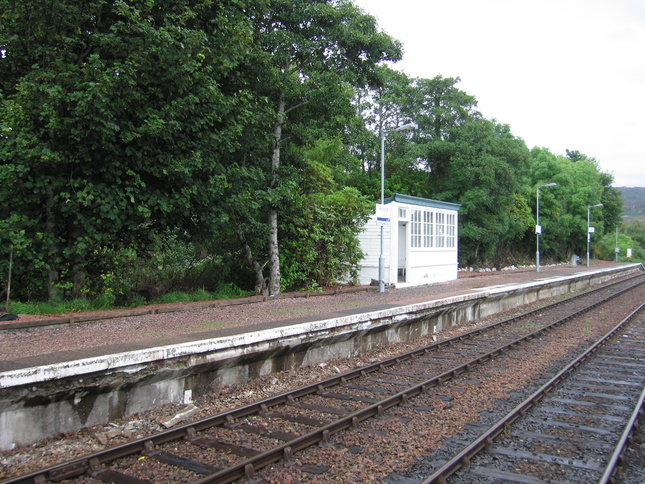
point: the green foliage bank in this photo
(151, 146)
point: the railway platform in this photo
(59, 374)
(119, 331)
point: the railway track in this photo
(575, 428)
(245, 443)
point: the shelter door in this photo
(402, 259)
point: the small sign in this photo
(538, 229)
(629, 253)
(592, 230)
(382, 215)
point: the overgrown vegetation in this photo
(153, 149)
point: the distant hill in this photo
(634, 207)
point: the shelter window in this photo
(450, 230)
(415, 229)
(427, 228)
(441, 230)
(422, 228)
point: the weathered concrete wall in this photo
(44, 401)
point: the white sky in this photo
(563, 74)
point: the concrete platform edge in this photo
(340, 325)
(309, 330)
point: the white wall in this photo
(371, 246)
(423, 266)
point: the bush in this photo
(171, 267)
(320, 246)
(605, 248)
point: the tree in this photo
(116, 118)
(453, 154)
(606, 246)
(312, 49)
(381, 109)
(563, 209)
(636, 231)
(321, 245)
(575, 155)
(484, 175)
(440, 110)
(612, 201)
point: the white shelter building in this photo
(420, 242)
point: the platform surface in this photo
(28, 348)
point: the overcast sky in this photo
(563, 74)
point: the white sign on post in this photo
(382, 215)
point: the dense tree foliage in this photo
(117, 120)
(244, 137)
(311, 52)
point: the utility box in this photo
(574, 260)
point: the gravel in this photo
(158, 327)
(506, 387)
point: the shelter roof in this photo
(424, 202)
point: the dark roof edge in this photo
(424, 202)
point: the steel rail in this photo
(89, 463)
(246, 469)
(618, 454)
(485, 439)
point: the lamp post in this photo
(381, 259)
(589, 207)
(617, 250)
(538, 228)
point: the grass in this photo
(227, 291)
(587, 326)
(73, 306)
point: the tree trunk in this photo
(53, 291)
(274, 254)
(78, 264)
(260, 283)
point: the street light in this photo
(381, 259)
(617, 250)
(589, 207)
(538, 228)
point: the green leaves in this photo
(120, 125)
(122, 120)
(320, 243)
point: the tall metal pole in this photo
(538, 228)
(9, 277)
(381, 258)
(617, 249)
(588, 234)
(589, 207)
